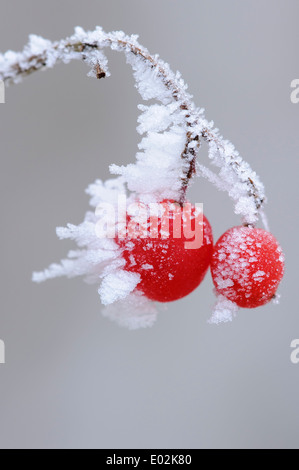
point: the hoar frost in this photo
(157, 174)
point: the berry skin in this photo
(168, 270)
(247, 266)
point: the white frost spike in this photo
(134, 312)
(108, 191)
(234, 176)
(158, 169)
(117, 286)
(224, 311)
(37, 45)
(159, 117)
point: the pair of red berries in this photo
(247, 264)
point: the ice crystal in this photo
(171, 131)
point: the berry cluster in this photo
(247, 264)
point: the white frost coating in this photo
(158, 169)
(276, 299)
(259, 276)
(42, 53)
(100, 262)
(135, 312)
(117, 286)
(171, 129)
(38, 45)
(233, 177)
(98, 258)
(147, 267)
(224, 311)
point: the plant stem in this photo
(196, 127)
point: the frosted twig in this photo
(239, 180)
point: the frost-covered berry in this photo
(168, 269)
(247, 266)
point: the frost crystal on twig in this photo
(172, 131)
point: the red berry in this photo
(169, 270)
(247, 266)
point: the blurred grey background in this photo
(73, 379)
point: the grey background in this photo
(72, 378)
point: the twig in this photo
(197, 128)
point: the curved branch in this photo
(82, 45)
